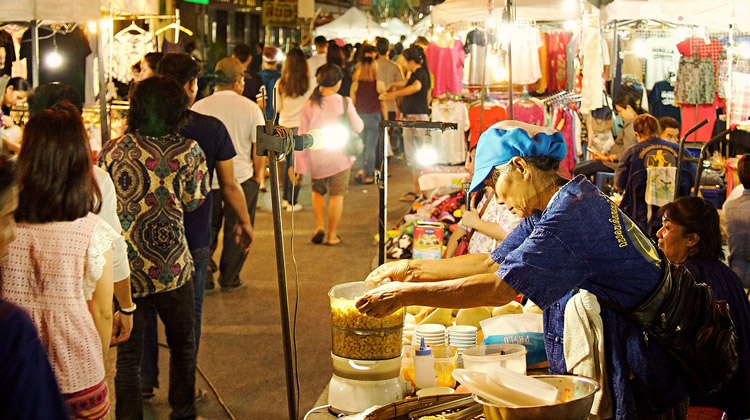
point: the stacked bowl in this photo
(433, 334)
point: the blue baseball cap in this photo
(498, 146)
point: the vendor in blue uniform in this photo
(571, 237)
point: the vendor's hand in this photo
(392, 271)
(383, 300)
(122, 326)
(470, 218)
(243, 236)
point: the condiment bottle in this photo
(424, 367)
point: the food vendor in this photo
(571, 236)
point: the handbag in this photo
(693, 328)
(355, 146)
(462, 248)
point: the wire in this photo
(315, 409)
(296, 270)
(212, 386)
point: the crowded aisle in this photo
(526, 213)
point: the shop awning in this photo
(467, 12)
(70, 11)
(396, 27)
(714, 14)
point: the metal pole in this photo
(510, 56)
(103, 115)
(34, 54)
(382, 181)
(613, 64)
(291, 396)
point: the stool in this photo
(601, 177)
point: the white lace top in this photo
(51, 271)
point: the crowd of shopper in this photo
(92, 254)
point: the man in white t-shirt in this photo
(241, 116)
(318, 58)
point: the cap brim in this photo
(480, 174)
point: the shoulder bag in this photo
(693, 328)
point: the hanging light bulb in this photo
(427, 155)
(92, 26)
(53, 59)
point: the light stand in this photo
(381, 176)
(273, 142)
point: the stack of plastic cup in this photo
(433, 334)
(462, 337)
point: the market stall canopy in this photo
(422, 28)
(467, 12)
(51, 11)
(396, 27)
(354, 24)
(714, 14)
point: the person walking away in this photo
(253, 82)
(153, 197)
(28, 389)
(737, 214)
(318, 58)
(365, 93)
(336, 55)
(414, 107)
(59, 267)
(292, 90)
(389, 73)
(240, 116)
(216, 144)
(269, 74)
(329, 169)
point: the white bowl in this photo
(438, 390)
(431, 329)
(462, 329)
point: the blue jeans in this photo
(366, 161)
(150, 359)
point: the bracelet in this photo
(128, 311)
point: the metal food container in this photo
(575, 393)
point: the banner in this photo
(279, 14)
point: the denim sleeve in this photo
(513, 240)
(543, 268)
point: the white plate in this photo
(431, 329)
(462, 329)
(479, 384)
(520, 387)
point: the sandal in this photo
(200, 394)
(360, 177)
(369, 181)
(318, 237)
(408, 197)
(338, 241)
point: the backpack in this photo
(693, 328)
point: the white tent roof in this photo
(70, 11)
(396, 27)
(352, 25)
(453, 12)
(715, 14)
(422, 27)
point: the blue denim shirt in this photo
(583, 240)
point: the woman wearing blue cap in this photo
(571, 237)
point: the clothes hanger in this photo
(176, 26)
(133, 27)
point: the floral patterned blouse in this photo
(156, 180)
(495, 213)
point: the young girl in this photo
(329, 169)
(59, 268)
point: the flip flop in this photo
(318, 237)
(338, 238)
(200, 394)
(408, 197)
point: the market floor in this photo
(241, 350)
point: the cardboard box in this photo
(428, 241)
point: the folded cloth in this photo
(583, 346)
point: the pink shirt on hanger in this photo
(447, 66)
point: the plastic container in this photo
(358, 336)
(424, 368)
(509, 356)
(445, 362)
